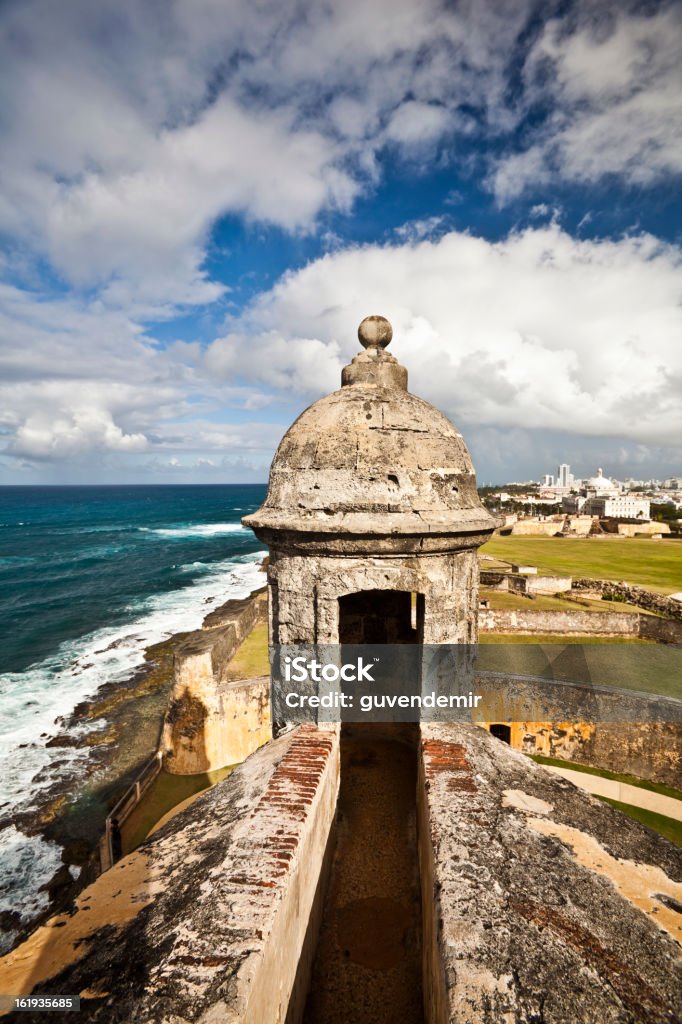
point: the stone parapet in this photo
(207, 920)
(541, 903)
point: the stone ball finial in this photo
(375, 332)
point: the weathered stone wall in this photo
(493, 578)
(573, 623)
(212, 725)
(638, 596)
(547, 905)
(521, 584)
(649, 750)
(666, 631)
(562, 623)
(305, 592)
(544, 528)
(211, 721)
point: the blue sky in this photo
(200, 200)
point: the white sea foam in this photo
(32, 701)
(26, 863)
(197, 530)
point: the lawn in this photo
(656, 565)
(165, 792)
(251, 657)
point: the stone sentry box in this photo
(372, 495)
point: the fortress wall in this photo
(211, 721)
(560, 622)
(301, 807)
(494, 579)
(667, 631)
(208, 919)
(525, 528)
(649, 750)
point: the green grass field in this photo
(165, 792)
(604, 661)
(656, 565)
(251, 657)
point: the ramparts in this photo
(527, 885)
(576, 623)
(213, 721)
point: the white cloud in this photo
(613, 78)
(418, 123)
(85, 429)
(297, 363)
(540, 330)
(128, 131)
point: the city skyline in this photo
(197, 208)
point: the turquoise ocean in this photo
(89, 578)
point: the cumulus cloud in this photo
(611, 78)
(129, 132)
(80, 382)
(539, 330)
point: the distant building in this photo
(618, 506)
(548, 480)
(564, 477)
(604, 498)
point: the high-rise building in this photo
(564, 476)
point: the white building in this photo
(604, 498)
(618, 506)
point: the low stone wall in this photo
(665, 631)
(521, 584)
(211, 721)
(495, 579)
(646, 599)
(523, 528)
(562, 623)
(575, 623)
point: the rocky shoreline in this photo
(71, 810)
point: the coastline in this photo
(118, 730)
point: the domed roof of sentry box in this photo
(372, 459)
